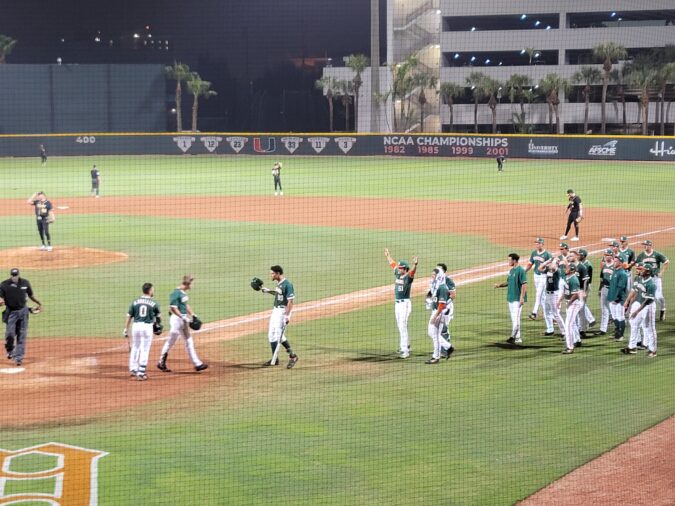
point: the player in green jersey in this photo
(284, 297)
(659, 264)
(606, 271)
(641, 305)
(616, 294)
(449, 312)
(179, 322)
(574, 296)
(516, 295)
(439, 301)
(143, 312)
(538, 256)
(403, 279)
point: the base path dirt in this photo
(640, 471)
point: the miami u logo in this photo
(271, 145)
(63, 475)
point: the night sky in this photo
(277, 29)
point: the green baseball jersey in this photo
(645, 289)
(589, 269)
(627, 254)
(536, 259)
(450, 284)
(655, 259)
(144, 310)
(617, 286)
(572, 286)
(582, 273)
(284, 293)
(514, 282)
(606, 274)
(402, 285)
(561, 267)
(441, 296)
(179, 299)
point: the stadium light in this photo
(613, 14)
(59, 61)
(522, 51)
(487, 61)
(438, 11)
(523, 17)
(136, 36)
(473, 58)
(500, 64)
(537, 55)
(537, 23)
(456, 55)
(97, 39)
(548, 27)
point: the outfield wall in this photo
(285, 145)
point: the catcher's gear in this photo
(157, 328)
(196, 323)
(256, 284)
(35, 310)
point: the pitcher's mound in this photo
(61, 257)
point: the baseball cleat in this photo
(292, 360)
(141, 377)
(548, 334)
(432, 360)
(133, 373)
(162, 367)
(563, 237)
(575, 238)
(628, 351)
(269, 363)
(532, 316)
(577, 344)
(568, 351)
(518, 340)
(449, 352)
(49, 248)
(662, 316)
(403, 355)
(651, 354)
(201, 367)
(641, 346)
(43, 248)
(511, 340)
(602, 333)
(592, 324)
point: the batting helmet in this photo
(196, 323)
(256, 284)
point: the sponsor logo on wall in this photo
(345, 143)
(237, 143)
(211, 143)
(607, 149)
(660, 149)
(266, 145)
(291, 143)
(184, 142)
(318, 143)
(535, 149)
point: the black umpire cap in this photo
(14, 272)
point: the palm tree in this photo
(448, 93)
(344, 90)
(402, 87)
(551, 86)
(617, 76)
(327, 84)
(588, 76)
(358, 63)
(664, 60)
(531, 52)
(489, 88)
(474, 81)
(515, 86)
(199, 88)
(179, 72)
(7, 44)
(423, 80)
(607, 53)
(642, 75)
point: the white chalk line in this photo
(370, 293)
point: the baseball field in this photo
(351, 423)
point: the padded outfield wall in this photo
(419, 145)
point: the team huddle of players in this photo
(630, 289)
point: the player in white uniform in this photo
(284, 297)
(538, 256)
(143, 311)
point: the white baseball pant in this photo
(585, 315)
(179, 328)
(447, 316)
(645, 322)
(141, 340)
(617, 311)
(658, 296)
(434, 332)
(515, 309)
(277, 327)
(552, 313)
(571, 325)
(402, 310)
(540, 289)
(604, 309)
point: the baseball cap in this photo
(404, 264)
(615, 243)
(647, 242)
(570, 190)
(14, 272)
(648, 268)
(539, 240)
(583, 252)
(564, 245)
(609, 252)
(624, 238)
(572, 268)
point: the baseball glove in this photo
(256, 284)
(157, 328)
(196, 323)
(578, 220)
(35, 310)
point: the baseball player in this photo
(574, 296)
(43, 155)
(659, 265)
(630, 256)
(585, 275)
(179, 326)
(95, 181)
(551, 297)
(538, 256)
(276, 174)
(625, 258)
(500, 163)
(42, 208)
(13, 294)
(144, 312)
(284, 295)
(404, 278)
(641, 306)
(449, 312)
(516, 295)
(606, 271)
(575, 214)
(616, 295)
(438, 304)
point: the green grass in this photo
(601, 184)
(350, 424)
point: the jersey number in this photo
(143, 311)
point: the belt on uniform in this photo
(402, 300)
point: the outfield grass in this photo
(350, 424)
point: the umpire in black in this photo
(14, 292)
